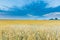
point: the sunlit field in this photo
(29, 30)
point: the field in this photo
(29, 30)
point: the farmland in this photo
(29, 30)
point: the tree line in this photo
(54, 19)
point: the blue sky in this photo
(29, 9)
(52, 3)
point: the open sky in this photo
(29, 9)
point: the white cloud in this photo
(52, 15)
(30, 15)
(53, 3)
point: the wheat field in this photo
(29, 30)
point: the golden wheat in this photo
(48, 30)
